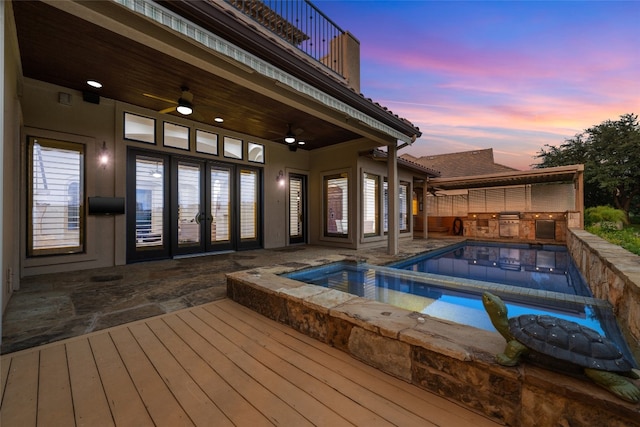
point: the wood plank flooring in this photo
(218, 364)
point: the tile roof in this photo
(466, 163)
(318, 67)
(403, 162)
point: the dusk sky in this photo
(507, 75)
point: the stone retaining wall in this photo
(449, 359)
(613, 274)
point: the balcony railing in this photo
(302, 25)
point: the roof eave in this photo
(209, 16)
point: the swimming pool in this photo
(449, 292)
(542, 267)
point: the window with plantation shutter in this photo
(221, 204)
(404, 207)
(149, 202)
(370, 203)
(295, 207)
(55, 197)
(248, 204)
(385, 206)
(336, 198)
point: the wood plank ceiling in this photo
(62, 49)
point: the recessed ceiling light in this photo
(301, 142)
(218, 120)
(94, 83)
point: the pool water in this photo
(542, 267)
(451, 288)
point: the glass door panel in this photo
(179, 205)
(147, 203)
(189, 209)
(297, 203)
(249, 213)
(220, 213)
(248, 204)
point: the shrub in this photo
(606, 216)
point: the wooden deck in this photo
(219, 364)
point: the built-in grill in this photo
(509, 223)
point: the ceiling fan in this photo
(183, 105)
(291, 137)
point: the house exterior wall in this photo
(93, 124)
(368, 165)
(37, 109)
(9, 156)
(346, 158)
(328, 161)
(84, 123)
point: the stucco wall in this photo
(91, 124)
(346, 158)
(81, 122)
(613, 274)
(9, 156)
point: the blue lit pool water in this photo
(542, 267)
(545, 282)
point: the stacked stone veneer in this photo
(452, 360)
(613, 274)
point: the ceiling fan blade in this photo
(167, 110)
(159, 98)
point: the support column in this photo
(394, 202)
(425, 218)
(579, 180)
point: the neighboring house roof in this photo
(402, 162)
(467, 163)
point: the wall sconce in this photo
(103, 158)
(280, 178)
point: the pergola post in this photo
(394, 203)
(425, 218)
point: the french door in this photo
(182, 205)
(297, 208)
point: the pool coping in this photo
(449, 359)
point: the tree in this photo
(610, 153)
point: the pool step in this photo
(479, 286)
